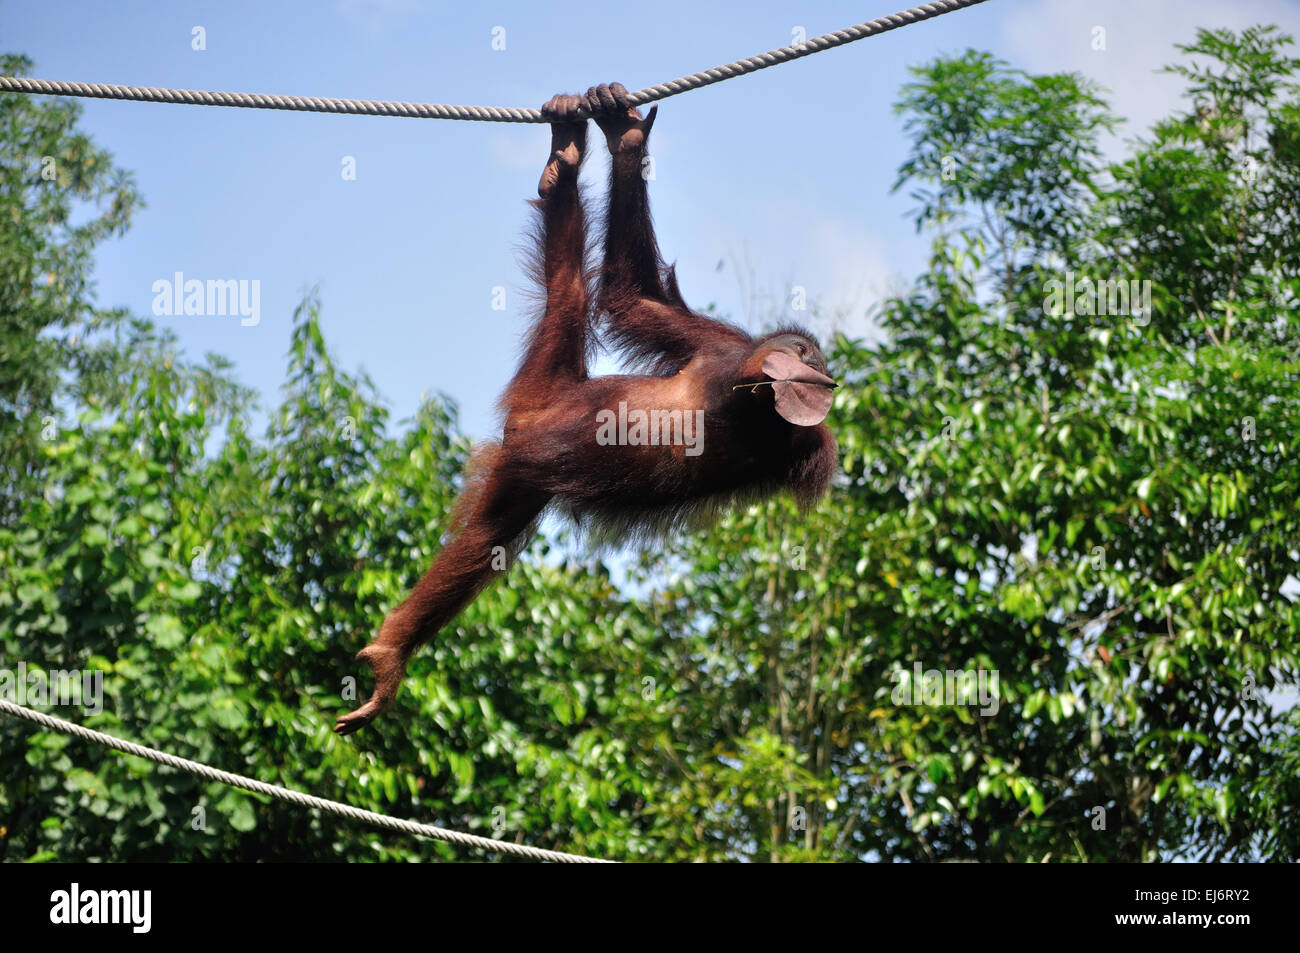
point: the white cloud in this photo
(1139, 37)
(842, 266)
(510, 150)
(373, 16)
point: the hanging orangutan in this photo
(715, 417)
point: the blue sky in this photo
(763, 182)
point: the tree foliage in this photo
(1096, 503)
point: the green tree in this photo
(60, 196)
(1051, 470)
(1099, 506)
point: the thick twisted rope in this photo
(285, 794)
(367, 107)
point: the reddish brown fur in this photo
(549, 455)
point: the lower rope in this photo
(285, 794)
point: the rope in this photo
(369, 107)
(293, 797)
